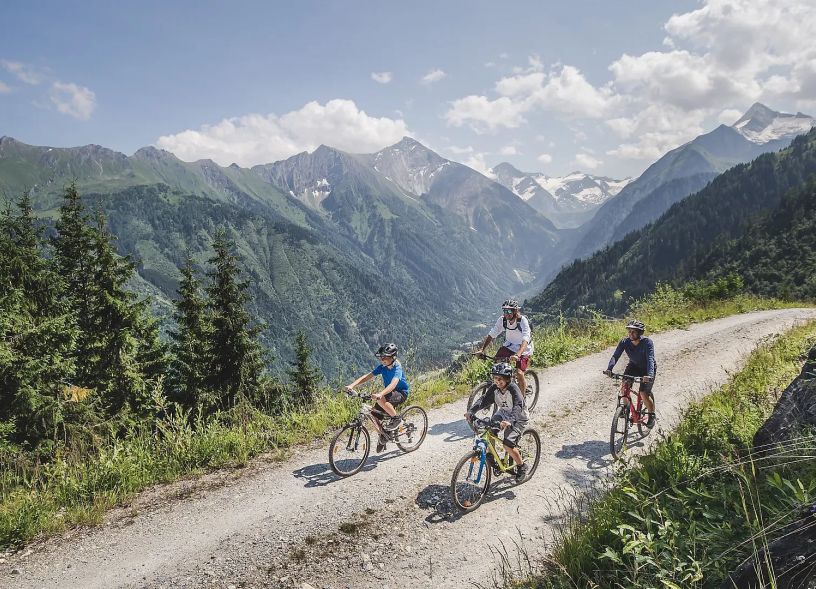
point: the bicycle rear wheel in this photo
(349, 450)
(619, 431)
(531, 391)
(529, 446)
(476, 395)
(468, 485)
(643, 429)
(411, 433)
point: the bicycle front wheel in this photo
(529, 446)
(476, 395)
(470, 482)
(643, 429)
(531, 390)
(414, 427)
(619, 431)
(349, 450)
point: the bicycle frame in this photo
(635, 412)
(484, 443)
(365, 415)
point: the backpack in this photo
(518, 325)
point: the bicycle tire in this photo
(532, 390)
(617, 438)
(423, 418)
(643, 429)
(535, 456)
(476, 393)
(460, 500)
(336, 464)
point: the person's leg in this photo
(387, 407)
(514, 454)
(522, 382)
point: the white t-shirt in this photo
(516, 332)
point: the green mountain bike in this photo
(472, 475)
(478, 391)
(350, 446)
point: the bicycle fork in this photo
(481, 448)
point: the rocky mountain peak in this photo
(761, 124)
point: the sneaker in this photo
(393, 424)
(382, 443)
(651, 421)
(521, 472)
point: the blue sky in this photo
(549, 86)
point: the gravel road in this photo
(278, 524)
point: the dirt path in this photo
(279, 526)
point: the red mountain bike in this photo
(626, 415)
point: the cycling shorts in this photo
(635, 370)
(505, 353)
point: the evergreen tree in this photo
(236, 365)
(36, 334)
(305, 378)
(190, 348)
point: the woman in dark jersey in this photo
(640, 351)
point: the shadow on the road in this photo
(454, 431)
(438, 499)
(320, 475)
(595, 452)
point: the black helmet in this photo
(635, 324)
(502, 369)
(511, 304)
(388, 349)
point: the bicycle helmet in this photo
(388, 349)
(635, 324)
(502, 369)
(511, 304)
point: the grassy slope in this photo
(685, 515)
(101, 471)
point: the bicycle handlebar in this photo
(617, 376)
(483, 355)
(356, 395)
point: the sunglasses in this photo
(508, 311)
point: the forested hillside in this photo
(754, 220)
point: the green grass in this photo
(690, 511)
(89, 477)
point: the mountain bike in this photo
(351, 445)
(478, 391)
(635, 414)
(472, 475)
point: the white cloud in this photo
(482, 113)
(729, 116)
(73, 100)
(382, 77)
(25, 73)
(255, 139)
(433, 76)
(656, 129)
(5, 88)
(545, 158)
(509, 150)
(586, 161)
(478, 163)
(460, 150)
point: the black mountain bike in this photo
(350, 447)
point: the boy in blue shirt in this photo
(394, 393)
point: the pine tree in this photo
(190, 348)
(236, 364)
(305, 377)
(36, 334)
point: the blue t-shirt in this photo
(641, 355)
(388, 374)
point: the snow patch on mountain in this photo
(762, 125)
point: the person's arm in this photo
(391, 386)
(363, 379)
(494, 333)
(518, 404)
(618, 351)
(650, 359)
(526, 336)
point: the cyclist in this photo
(508, 406)
(394, 393)
(518, 342)
(640, 351)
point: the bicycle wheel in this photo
(349, 450)
(620, 429)
(412, 432)
(476, 395)
(529, 445)
(643, 429)
(531, 391)
(468, 492)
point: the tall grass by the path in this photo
(686, 514)
(98, 470)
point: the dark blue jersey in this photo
(641, 355)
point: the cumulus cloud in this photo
(509, 150)
(586, 161)
(478, 163)
(255, 139)
(729, 116)
(545, 158)
(482, 113)
(4, 88)
(382, 77)
(656, 129)
(25, 73)
(73, 100)
(433, 76)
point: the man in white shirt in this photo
(518, 341)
